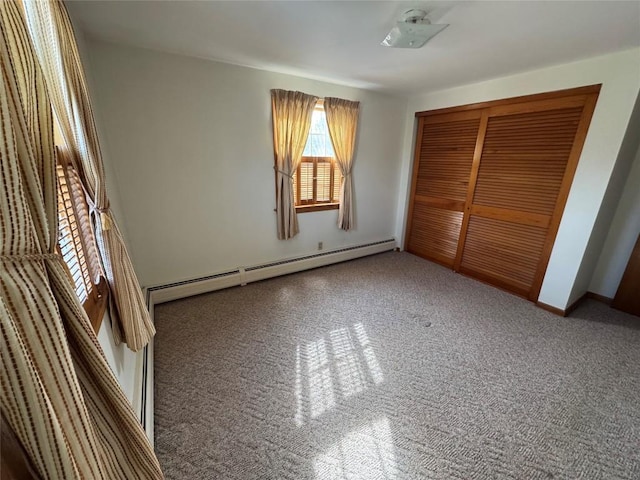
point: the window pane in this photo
(323, 180)
(306, 181)
(317, 180)
(318, 141)
(337, 182)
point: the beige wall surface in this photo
(190, 146)
(621, 238)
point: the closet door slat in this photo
(435, 233)
(505, 250)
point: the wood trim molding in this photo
(96, 305)
(443, 203)
(539, 105)
(552, 309)
(574, 305)
(590, 89)
(567, 311)
(599, 298)
(473, 179)
(318, 207)
(525, 218)
(452, 116)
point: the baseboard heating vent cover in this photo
(244, 275)
(307, 262)
(316, 255)
(194, 286)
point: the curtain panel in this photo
(58, 393)
(342, 120)
(291, 113)
(55, 46)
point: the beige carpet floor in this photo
(392, 367)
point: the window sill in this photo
(318, 207)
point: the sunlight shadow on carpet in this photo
(343, 359)
(363, 454)
(321, 394)
(369, 355)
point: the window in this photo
(316, 183)
(76, 242)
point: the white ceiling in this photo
(340, 41)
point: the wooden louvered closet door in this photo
(440, 184)
(520, 167)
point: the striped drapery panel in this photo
(55, 45)
(58, 394)
(342, 121)
(291, 114)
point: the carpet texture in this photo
(392, 367)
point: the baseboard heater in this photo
(243, 275)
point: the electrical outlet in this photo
(320, 245)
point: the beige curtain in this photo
(291, 123)
(58, 394)
(55, 45)
(342, 120)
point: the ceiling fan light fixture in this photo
(413, 31)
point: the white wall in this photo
(190, 144)
(594, 253)
(125, 364)
(622, 236)
(620, 77)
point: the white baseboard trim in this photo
(241, 276)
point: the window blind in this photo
(75, 239)
(317, 180)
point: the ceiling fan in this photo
(413, 30)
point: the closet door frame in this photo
(473, 179)
(581, 96)
(563, 193)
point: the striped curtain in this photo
(58, 394)
(342, 121)
(55, 45)
(291, 123)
